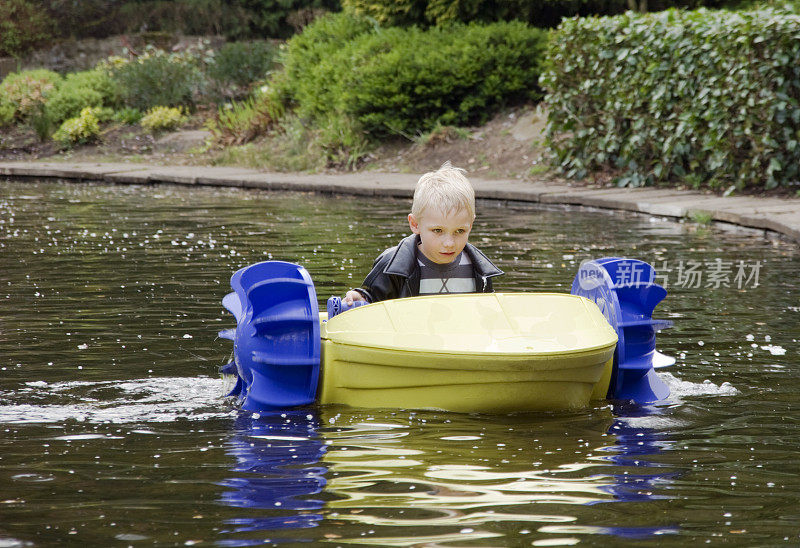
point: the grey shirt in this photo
(457, 276)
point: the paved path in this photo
(773, 214)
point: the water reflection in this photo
(278, 469)
(439, 477)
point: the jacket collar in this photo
(404, 259)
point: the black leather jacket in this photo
(396, 274)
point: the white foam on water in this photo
(679, 388)
(774, 349)
(159, 399)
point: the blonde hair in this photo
(446, 189)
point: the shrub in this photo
(406, 81)
(128, 115)
(240, 122)
(22, 27)
(91, 88)
(6, 113)
(162, 118)
(158, 78)
(320, 41)
(24, 93)
(238, 64)
(707, 97)
(81, 129)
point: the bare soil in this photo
(509, 146)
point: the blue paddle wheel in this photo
(276, 343)
(626, 293)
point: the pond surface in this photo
(114, 431)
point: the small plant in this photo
(443, 134)
(344, 143)
(41, 123)
(538, 169)
(128, 115)
(162, 118)
(240, 122)
(701, 217)
(81, 129)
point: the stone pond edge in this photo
(779, 215)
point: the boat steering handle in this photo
(336, 306)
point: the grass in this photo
(442, 134)
(700, 217)
(538, 169)
(291, 147)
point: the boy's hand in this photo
(353, 296)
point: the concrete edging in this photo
(770, 214)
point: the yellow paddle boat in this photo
(489, 353)
(495, 352)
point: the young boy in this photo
(436, 258)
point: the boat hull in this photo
(366, 377)
(545, 352)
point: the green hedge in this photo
(705, 97)
(540, 13)
(406, 81)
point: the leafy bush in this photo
(6, 113)
(22, 27)
(708, 97)
(240, 122)
(238, 64)
(24, 93)
(158, 78)
(81, 129)
(91, 88)
(461, 75)
(310, 74)
(406, 81)
(162, 118)
(128, 115)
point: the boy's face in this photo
(443, 235)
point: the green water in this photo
(114, 431)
